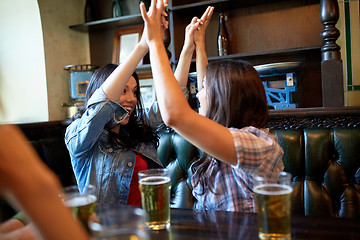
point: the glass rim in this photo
(125, 211)
(72, 191)
(281, 178)
(280, 174)
(154, 172)
(77, 186)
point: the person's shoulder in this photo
(250, 130)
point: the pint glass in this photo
(155, 187)
(82, 201)
(119, 223)
(273, 203)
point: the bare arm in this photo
(209, 136)
(27, 182)
(116, 82)
(199, 38)
(10, 225)
(182, 69)
(194, 36)
(27, 232)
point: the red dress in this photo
(134, 197)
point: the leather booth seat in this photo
(324, 163)
(177, 155)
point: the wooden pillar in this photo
(331, 64)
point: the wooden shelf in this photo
(223, 5)
(282, 52)
(191, 9)
(110, 23)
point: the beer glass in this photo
(154, 185)
(273, 203)
(119, 223)
(82, 201)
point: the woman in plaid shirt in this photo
(229, 126)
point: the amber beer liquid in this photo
(274, 210)
(82, 207)
(82, 201)
(155, 197)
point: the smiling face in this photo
(203, 99)
(128, 98)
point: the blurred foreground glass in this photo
(273, 202)
(82, 201)
(155, 187)
(121, 223)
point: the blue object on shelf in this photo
(280, 98)
(79, 79)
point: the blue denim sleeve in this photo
(84, 132)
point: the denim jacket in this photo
(95, 161)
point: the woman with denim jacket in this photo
(113, 137)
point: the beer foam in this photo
(80, 201)
(284, 189)
(154, 180)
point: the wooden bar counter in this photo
(188, 224)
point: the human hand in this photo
(164, 25)
(164, 22)
(199, 35)
(189, 42)
(153, 31)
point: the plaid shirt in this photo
(257, 151)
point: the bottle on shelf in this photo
(222, 37)
(116, 9)
(90, 11)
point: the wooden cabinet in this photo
(260, 31)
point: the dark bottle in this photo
(222, 38)
(90, 11)
(116, 9)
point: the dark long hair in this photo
(236, 98)
(138, 129)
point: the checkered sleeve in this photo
(256, 148)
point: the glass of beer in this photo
(82, 201)
(155, 187)
(119, 222)
(273, 203)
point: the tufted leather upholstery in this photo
(177, 155)
(325, 164)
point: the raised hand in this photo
(199, 39)
(189, 42)
(164, 22)
(204, 21)
(153, 21)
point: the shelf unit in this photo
(110, 23)
(306, 50)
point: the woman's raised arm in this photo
(204, 133)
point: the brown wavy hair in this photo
(236, 98)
